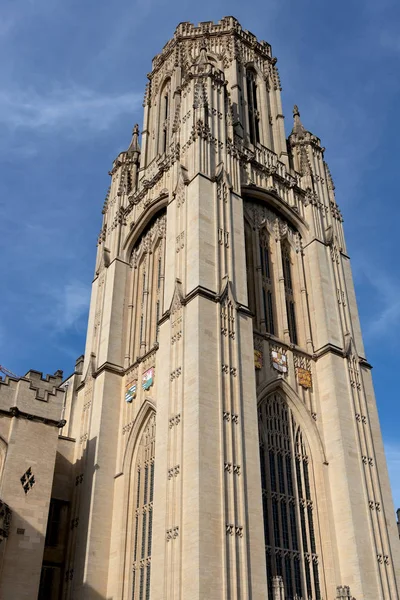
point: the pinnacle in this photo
(298, 127)
(134, 145)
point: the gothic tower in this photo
(227, 437)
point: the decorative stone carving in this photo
(174, 420)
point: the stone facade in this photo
(221, 436)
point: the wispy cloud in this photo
(386, 316)
(71, 306)
(72, 109)
(61, 308)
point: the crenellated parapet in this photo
(33, 397)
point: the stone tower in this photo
(227, 438)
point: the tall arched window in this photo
(290, 543)
(165, 101)
(252, 106)
(143, 507)
(267, 282)
(147, 286)
(288, 280)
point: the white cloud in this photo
(386, 317)
(74, 303)
(73, 109)
(62, 308)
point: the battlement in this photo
(33, 396)
(208, 29)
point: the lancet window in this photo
(260, 278)
(143, 519)
(165, 102)
(288, 505)
(147, 287)
(267, 290)
(252, 106)
(289, 296)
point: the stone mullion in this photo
(288, 522)
(267, 449)
(307, 524)
(297, 506)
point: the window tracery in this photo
(147, 261)
(288, 507)
(261, 278)
(143, 521)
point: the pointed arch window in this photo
(147, 260)
(252, 106)
(289, 296)
(267, 282)
(165, 100)
(288, 507)
(143, 507)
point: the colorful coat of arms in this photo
(130, 391)
(148, 378)
(279, 361)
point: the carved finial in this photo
(296, 112)
(134, 145)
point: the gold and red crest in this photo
(258, 359)
(304, 377)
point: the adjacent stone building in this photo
(219, 439)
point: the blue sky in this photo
(72, 81)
